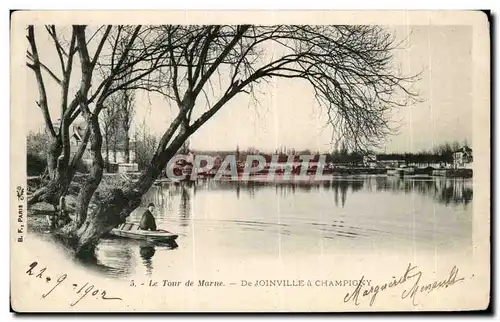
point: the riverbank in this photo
(453, 173)
(37, 220)
(37, 214)
(311, 171)
(326, 175)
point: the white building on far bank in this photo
(462, 158)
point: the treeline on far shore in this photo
(339, 159)
(439, 154)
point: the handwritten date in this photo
(86, 290)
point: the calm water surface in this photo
(237, 219)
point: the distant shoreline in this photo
(310, 176)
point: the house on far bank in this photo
(431, 164)
(370, 160)
(462, 158)
(116, 154)
(389, 162)
(76, 134)
(116, 158)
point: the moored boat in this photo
(131, 230)
(403, 171)
(395, 172)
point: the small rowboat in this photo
(131, 230)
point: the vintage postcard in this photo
(250, 161)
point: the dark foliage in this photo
(36, 165)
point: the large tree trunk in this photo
(60, 173)
(54, 150)
(110, 212)
(52, 191)
(96, 170)
(59, 177)
(114, 207)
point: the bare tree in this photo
(126, 117)
(145, 145)
(349, 68)
(58, 151)
(118, 53)
(110, 58)
(116, 119)
(109, 126)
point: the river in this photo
(219, 220)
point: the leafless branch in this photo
(41, 85)
(51, 29)
(350, 69)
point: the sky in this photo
(287, 114)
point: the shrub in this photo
(35, 165)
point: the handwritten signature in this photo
(411, 275)
(82, 291)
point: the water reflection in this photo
(246, 217)
(446, 191)
(163, 196)
(443, 190)
(185, 205)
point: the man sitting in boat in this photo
(148, 221)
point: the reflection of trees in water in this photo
(443, 190)
(357, 185)
(340, 188)
(447, 191)
(163, 197)
(185, 206)
(455, 192)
